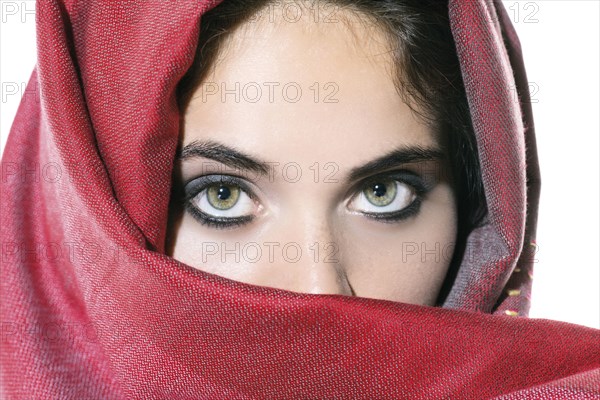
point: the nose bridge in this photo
(320, 270)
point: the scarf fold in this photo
(92, 308)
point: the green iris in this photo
(381, 194)
(222, 196)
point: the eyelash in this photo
(204, 182)
(415, 182)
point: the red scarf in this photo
(91, 308)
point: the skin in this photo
(356, 255)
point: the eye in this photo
(389, 198)
(384, 196)
(220, 201)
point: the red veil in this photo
(91, 308)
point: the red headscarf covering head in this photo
(92, 308)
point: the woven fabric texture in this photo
(91, 308)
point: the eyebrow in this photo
(238, 160)
(399, 156)
(225, 155)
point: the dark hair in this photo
(427, 73)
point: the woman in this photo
(369, 189)
(96, 302)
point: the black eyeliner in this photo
(216, 222)
(196, 186)
(420, 186)
(407, 212)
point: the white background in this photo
(561, 45)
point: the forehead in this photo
(302, 83)
(280, 45)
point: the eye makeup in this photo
(197, 189)
(200, 186)
(418, 187)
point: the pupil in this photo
(223, 193)
(379, 189)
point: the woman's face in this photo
(306, 171)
